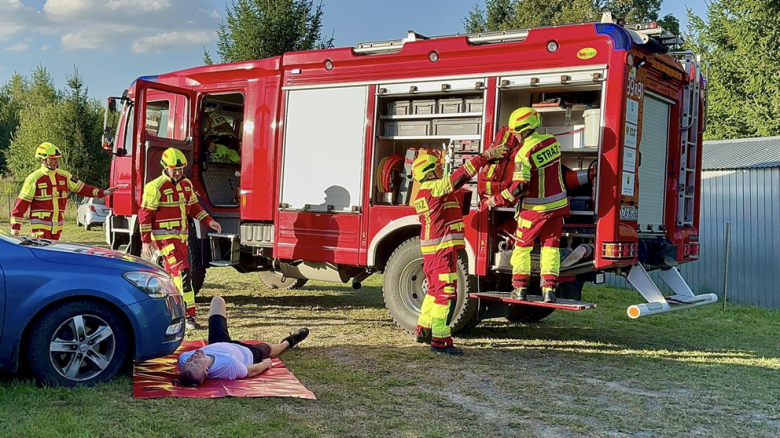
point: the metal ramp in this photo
(535, 301)
(657, 303)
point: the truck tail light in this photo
(619, 250)
(692, 250)
(92, 209)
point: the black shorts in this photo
(218, 332)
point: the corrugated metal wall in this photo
(750, 200)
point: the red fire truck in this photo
(322, 191)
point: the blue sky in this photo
(113, 42)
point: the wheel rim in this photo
(413, 285)
(82, 347)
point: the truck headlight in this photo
(151, 283)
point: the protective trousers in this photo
(437, 308)
(174, 254)
(547, 227)
(45, 234)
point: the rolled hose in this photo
(385, 174)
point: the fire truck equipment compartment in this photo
(450, 106)
(592, 127)
(474, 105)
(323, 150)
(398, 108)
(423, 107)
(652, 171)
(408, 128)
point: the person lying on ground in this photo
(224, 358)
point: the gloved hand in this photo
(494, 152)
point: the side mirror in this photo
(112, 104)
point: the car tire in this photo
(53, 349)
(403, 290)
(275, 280)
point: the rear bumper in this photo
(152, 318)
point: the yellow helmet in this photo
(47, 150)
(173, 158)
(423, 165)
(523, 119)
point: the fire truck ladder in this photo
(690, 138)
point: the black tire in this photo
(197, 264)
(51, 368)
(273, 280)
(530, 314)
(403, 293)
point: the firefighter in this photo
(495, 176)
(45, 193)
(167, 203)
(537, 178)
(441, 238)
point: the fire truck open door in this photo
(164, 117)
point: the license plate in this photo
(629, 213)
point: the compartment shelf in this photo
(430, 116)
(431, 137)
(558, 109)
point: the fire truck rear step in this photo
(657, 303)
(535, 300)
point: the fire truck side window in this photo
(127, 144)
(157, 119)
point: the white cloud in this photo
(172, 40)
(140, 25)
(45, 47)
(18, 47)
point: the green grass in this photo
(700, 372)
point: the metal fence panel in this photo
(749, 200)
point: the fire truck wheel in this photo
(405, 285)
(197, 265)
(274, 280)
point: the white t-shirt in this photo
(230, 360)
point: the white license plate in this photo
(629, 213)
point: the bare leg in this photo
(218, 307)
(277, 349)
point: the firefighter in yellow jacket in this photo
(167, 204)
(45, 193)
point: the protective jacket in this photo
(165, 208)
(45, 193)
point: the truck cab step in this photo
(535, 300)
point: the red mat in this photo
(155, 379)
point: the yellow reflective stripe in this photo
(506, 194)
(544, 207)
(202, 215)
(26, 198)
(430, 249)
(160, 237)
(470, 169)
(454, 204)
(95, 193)
(541, 183)
(448, 278)
(145, 228)
(449, 290)
(167, 249)
(16, 220)
(458, 226)
(169, 224)
(41, 214)
(491, 170)
(524, 223)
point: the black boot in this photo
(296, 338)
(451, 350)
(423, 335)
(549, 295)
(521, 293)
(191, 324)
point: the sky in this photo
(112, 42)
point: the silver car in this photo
(92, 211)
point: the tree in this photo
(518, 14)
(256, 29)
(741, 41)
(67, 118)
(12, 95)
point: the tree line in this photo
(740, 39)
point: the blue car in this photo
(73, 314)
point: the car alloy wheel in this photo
(82, 347)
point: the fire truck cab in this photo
(304, 160)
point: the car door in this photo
(2, 295)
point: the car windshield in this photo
(99, 201)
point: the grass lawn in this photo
(699, 372)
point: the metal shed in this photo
(741, 185)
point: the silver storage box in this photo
(450, 106)
(423, 107)
(399, 108)
(451, 127)
(407, 128)
(474, 105)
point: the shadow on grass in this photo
(346, 301)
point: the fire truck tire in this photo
(197, 264)
(274, 280)
(404, 285)
(526, 314)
